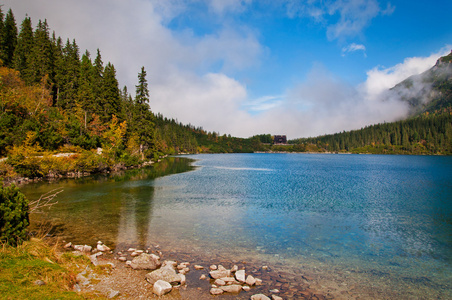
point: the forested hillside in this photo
(425, 134)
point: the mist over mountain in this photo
(429, 91)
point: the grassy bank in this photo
(34, 270)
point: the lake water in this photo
(368, 226)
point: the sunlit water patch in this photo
(372, 226)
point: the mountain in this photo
(427, 92)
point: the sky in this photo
(247, 67)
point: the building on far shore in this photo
(280, 140)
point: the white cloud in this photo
(380, 79)
(222, 6)
(342, 18)
(354, 47)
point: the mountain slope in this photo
(427, 92)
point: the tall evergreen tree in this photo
(1, 35)
(111, 95)
(143, 116)
(9, 39)
(67, 75)
(42, 56)
(97, 77)
(142, 92)
(86, 91)
(24, 48)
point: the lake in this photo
(369, 226)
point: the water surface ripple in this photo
(382, 222)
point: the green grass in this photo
(22, 266)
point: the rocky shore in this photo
(150, 273)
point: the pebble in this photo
(234, 288)
(216, 291)
(250, 280)
(220, 282)
(246, 288)
(213, 267)
(274, 297)
(39, 282)
(203, 277)
(240, 275)
(198, 267)
(122, 258)
(275, 291)
(161, 288)
(259, 297)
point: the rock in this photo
(264, 267)
(234, 288)
(198, 267)
(216, 291)
(213, 267)
(250, 280)
(274, 297)
(93, 259)
(113, 294)
(122, 258)
(240, 275)
(234, 268)
(146, 262)
(221, 268)
(135, 254)
(102, 247)
(203, 277)
(183, 279)
(259, 297)
(68, 245)
(275, 291)
(161, 288)
(129, 263)
(230, 280)
(169, 264)
(131, 250)
(220, 282)
(258, 281)
(83, 248)
(39, 282)
(165, 274)
(186, 270)
(219, 274)
(246, 288)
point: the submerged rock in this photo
(146, 262)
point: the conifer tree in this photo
(142, 92)
(86, 90)
(42, 55)
(142, 115)
(9, 39)
(22, 53)
(1, 35)
(111, 97)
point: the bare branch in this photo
(46, 200)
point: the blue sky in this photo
(246, 67)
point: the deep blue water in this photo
(386, 218)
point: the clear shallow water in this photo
(382, 223)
